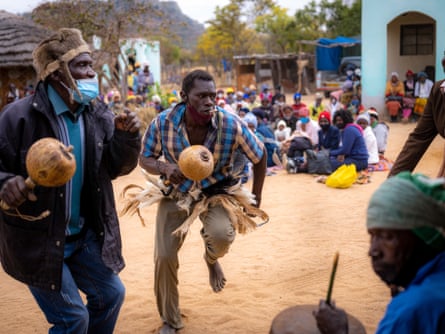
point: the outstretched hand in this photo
(330, 319)
(127, 121)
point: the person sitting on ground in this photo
(295, 153)
(298, 104)
(230, 95)
(266, 93)
(407, 251)
(381, 131)
(267, 108)
(352, 149)
(334, 105)
(371, 142)
(328, 135)
(278, 95)
(252, 101)
(289, 117)
(355, 106)
(282, 133)
(268, 137)
(317, 107)
(308, 126)
(277, 109)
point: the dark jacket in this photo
(330, 139)
(353, 144)
(32, 252)
(428, 127)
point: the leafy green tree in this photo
(280, 29)
(228, 34)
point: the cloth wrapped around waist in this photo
(230, 193)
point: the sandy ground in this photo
(284, 263)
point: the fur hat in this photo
(55, 52)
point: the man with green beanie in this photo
(405, 220)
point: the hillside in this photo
(186, 29)
(164, 18)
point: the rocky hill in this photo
(186, 29)
(163, 18)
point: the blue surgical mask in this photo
(88, 88)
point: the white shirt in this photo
(423, 90)
(371, 145)
(312, 128)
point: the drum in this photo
(300, 320)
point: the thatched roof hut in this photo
(18, 38)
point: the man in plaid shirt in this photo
(196, 121)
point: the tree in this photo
(111, 21)
(344, 20)
(280, 29)
(227, 35)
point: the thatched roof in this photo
(18, 38)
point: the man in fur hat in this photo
(405, 220)
(78, 246)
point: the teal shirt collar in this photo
(59, 104)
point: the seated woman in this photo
(282, 132)
(363, 120)
(408, 99)
(421, 92)
(394, 93)
(352, 149)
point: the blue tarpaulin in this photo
(329, 51)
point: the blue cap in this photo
(304, 120)
(297, 96)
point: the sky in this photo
(199, 10)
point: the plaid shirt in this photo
(167, 136)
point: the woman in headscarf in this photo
(394, 93)
(394, 87)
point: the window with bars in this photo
(417, 39)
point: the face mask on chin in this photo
(198, 118)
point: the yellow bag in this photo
(343, 177)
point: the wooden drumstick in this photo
(331, 280)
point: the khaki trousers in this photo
(217, 233)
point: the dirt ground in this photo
(284, 263)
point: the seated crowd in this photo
(344, 131)
(341, 129)
(407, 99)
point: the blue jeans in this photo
(84, 270)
